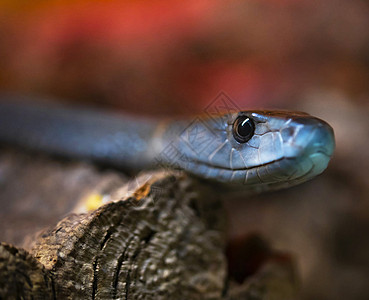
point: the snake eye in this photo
(243, 129)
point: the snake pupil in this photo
(243, 129)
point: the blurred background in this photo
(170, 58)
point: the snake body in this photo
(283, 148)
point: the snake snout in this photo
(308, 136)
(320, 140)
(311, 142)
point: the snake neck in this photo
(121, 141)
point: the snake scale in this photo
(258, 150)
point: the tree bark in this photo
(160, 235)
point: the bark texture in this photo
(158, 236)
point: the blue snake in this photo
(257, 150)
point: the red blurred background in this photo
(162, 57)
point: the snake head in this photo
(259, 149)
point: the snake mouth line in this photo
(320, 151)
(238, 169)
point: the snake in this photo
(255, 150)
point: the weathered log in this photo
(137, 248)
(159, 236)
(22, 276)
